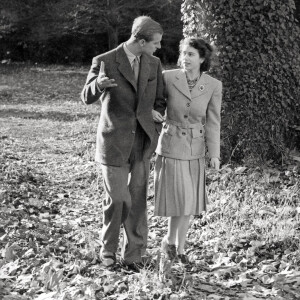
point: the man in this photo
(128, 81)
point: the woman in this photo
(192, 122)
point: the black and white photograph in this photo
(149, 150)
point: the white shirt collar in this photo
(130, 55)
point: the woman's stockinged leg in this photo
(177, 231)
(183, 226)
(172, 230)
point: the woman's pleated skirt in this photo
(179, 187)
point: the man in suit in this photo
(128, 81)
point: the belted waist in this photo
(186, 125)
(181, 140)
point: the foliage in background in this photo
(75, 31)
(259, 63)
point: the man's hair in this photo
(144, 28)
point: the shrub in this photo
(259, 63)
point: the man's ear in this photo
(142, 42)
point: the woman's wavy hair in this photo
(205, 51)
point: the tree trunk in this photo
(113, 38)
(297, 13)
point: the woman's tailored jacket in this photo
(193, 117)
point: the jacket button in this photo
(188, 104)
(133, 131)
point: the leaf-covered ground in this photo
(246, 246)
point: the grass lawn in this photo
(246, 246)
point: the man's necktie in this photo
(136, 68)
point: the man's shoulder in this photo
(109, 55)
(152, 59)
(105, 56)
(155, 58)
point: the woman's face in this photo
(190, 58)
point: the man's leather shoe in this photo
(107, 258)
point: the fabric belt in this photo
(186, 125)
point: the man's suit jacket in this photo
(192, 116)
(125, 105)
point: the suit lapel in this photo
(201, 86)
(124, 66)
(143, 74)
(181, 84)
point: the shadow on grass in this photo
(50, 115)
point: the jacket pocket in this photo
(198, 144)
(166, 136)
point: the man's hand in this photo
(157, 117)
(215, 163)
(103, 81)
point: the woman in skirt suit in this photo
(192, 122)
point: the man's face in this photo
(151, 46)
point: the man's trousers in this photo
(126, 203)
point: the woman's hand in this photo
(215, 163)
(157, 117)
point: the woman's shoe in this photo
(183, 258)
(168, 249)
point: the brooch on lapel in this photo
(201, 88)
